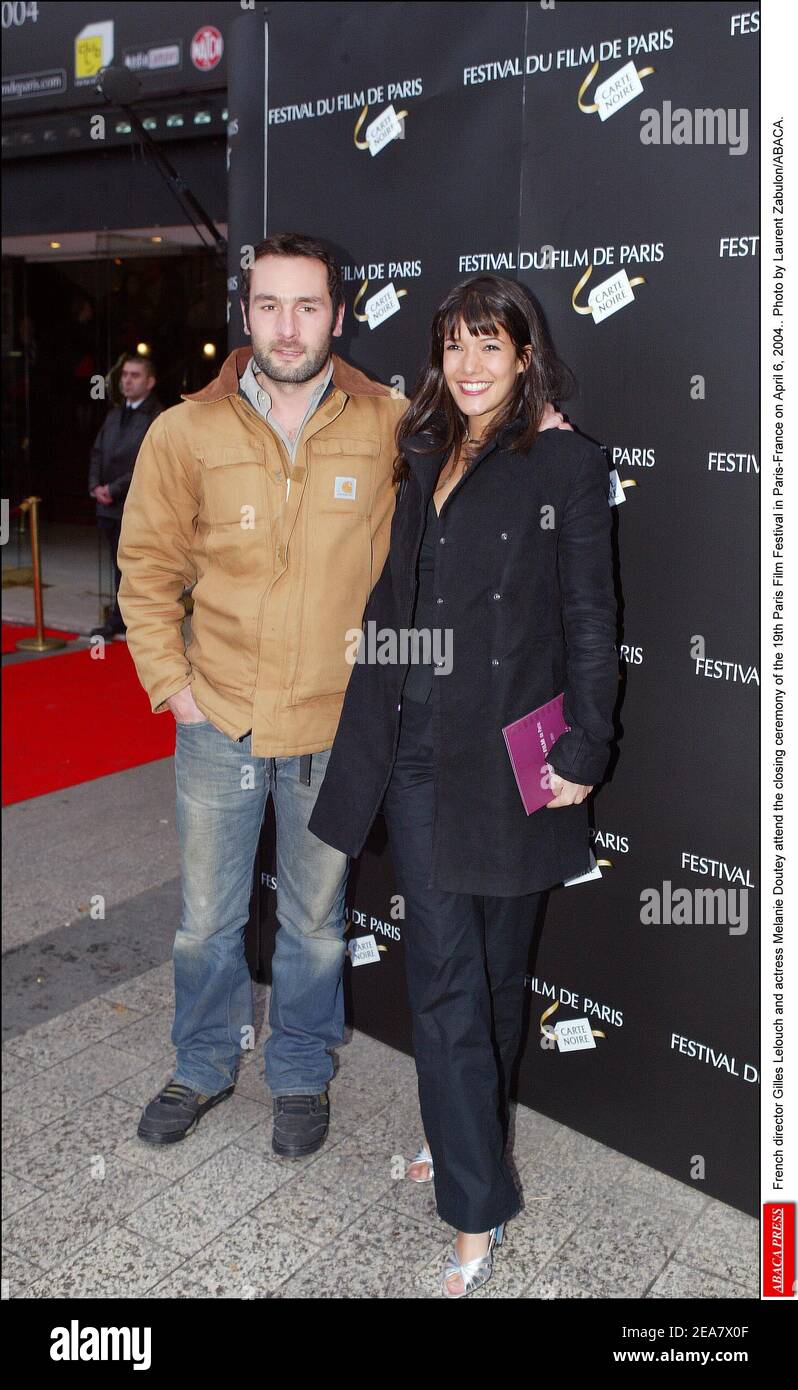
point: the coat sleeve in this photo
(589, 615)
(360, 759)
(120, 485)
(96, 457)
(155, 558)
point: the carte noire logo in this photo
(608, 297)
(388, 126)
(614, 92)
(378, 306)
(549, 1034)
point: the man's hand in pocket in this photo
(184, 708)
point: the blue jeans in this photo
(221, 798)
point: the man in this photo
(111, 467)
(270, 492)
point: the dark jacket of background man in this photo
(115, 448)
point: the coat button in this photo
(443, 540)
(495, 661)
(497, 595)
(504, 535)
(439, 600)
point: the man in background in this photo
(112, 458)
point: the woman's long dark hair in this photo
(483, 304)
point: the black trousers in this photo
(466, 958)
(111, 527)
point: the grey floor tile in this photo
(16, 1069)
(86, 1208)
(531, 1133)
(148, 992)
(207, 1200)
(391, 1135)
(20, 1126)
(176, 1285)
(143, 1085)
(251, 1082)
(618, 1249)
(55, 1154)
(329, 1195)
(17, 1193)
(96, 1069)
(72, 1032)
(118, 1264)
(378, 1256)
(149, 1036)
(543, 1226)
(578, 1168)
(415, 1200)
(724, 1242)
(679, 1280)
(251, 1258)
(16, 1275)
(638, 1177)
(29, 1106)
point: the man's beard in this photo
(303, 369)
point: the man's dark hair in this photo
(139, 357)
(295, 244)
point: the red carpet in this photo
(12, 631)
(71, 718)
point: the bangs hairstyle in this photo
(484, 304)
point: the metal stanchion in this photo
(39, 643)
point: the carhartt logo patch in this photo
(345, 487)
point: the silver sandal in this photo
(423, 1156)
(474, 1273)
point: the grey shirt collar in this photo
(262, 402)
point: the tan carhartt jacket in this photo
(280, 574)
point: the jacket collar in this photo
(149, 404)
(347, 378)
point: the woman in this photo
(500, 547)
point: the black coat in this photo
(533, 612)
(115, 449)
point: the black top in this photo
(418, 685)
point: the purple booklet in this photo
(529, 741)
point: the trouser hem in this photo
(473, 1225)
(310, 1090)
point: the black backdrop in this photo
(498, 162)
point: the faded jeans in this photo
(221, 798)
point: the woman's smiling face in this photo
(480, 371)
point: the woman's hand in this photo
(566, 793)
